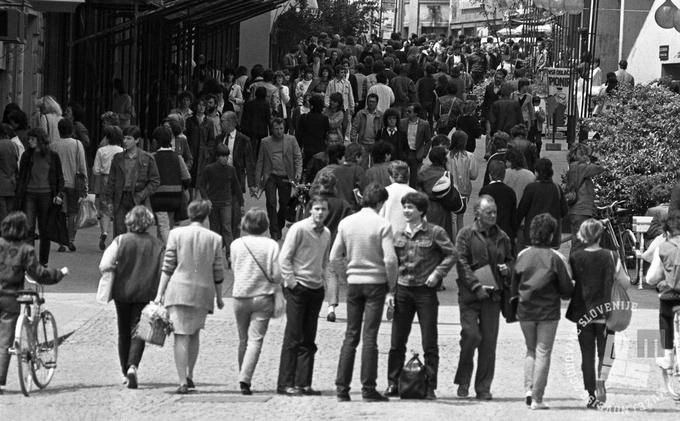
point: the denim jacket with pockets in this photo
(428, 250)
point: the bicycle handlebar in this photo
(611, 206)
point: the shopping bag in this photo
(87, 214)
(105, 287)
(413, 379)
(56, 225)
(154, 324)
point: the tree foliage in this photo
(638, 146)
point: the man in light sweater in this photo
(303, 260)
(392, 209)
(365, 240)
(72, 157)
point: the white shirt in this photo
(392, 209)
(20, 148)
(385, 96)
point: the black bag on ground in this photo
(413, 379)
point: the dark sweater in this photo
(542, 197)
(593, 278)
(506, 202)
(219, 183)
(138, 269)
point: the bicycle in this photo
(36, 342)
(301, 198)
(619, 239)
(671, 376)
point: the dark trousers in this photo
(236, 216)
(127, 202)
(37, 206)
(72, 209)
(666, 316)
(277, 185)
(297, 351)
(589, 337)
(414, 165)
(220, 222)
(8, 323)
(410, 301)
(534, 136)
(130, 350)
(479, 331)
(364, 305)
(6, 206)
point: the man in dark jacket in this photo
(505, 198)
(9, 169)
(484, 258)
(492, 94)
(505, 113)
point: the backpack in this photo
(670, 258)
(413, 380)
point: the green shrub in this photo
(639, 145)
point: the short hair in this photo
(372, 95)
(590, 231)
(373, 195)
(438, 156)
(672, 224)
(221, 150)
(399, 171)
(19, 118)
(133, 131)
(519, 130)
(381, 77)
(77, 111)
(506, 89)
(440, 140)
(544, 169)
(417, 199)
(230, 116)
(316, 103)
(175, 126)
(353, 152)
(522, 82)
(163, 136)
(578, 150)
(260, 93)
(459, 140)
(542, 230)
(380, 152)
(483, 198)
(198, 210)
(623, 64)
(327, 183)
(113, 134)
(277, 120)
(317, 198)
(337, 97)
(187, 94)
(6, 131)
(500, 140)
(496, 170)
(14, 227)
(109, 118)
(255, 221)
(65, 128)
(335, 152)
(515, 158)
(139, 219)
(417, 108)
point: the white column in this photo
(621, 28)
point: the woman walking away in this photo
(135, 260)
(113, 139)
(664, 274)
(40, 184)
(594, 270)
(256, 276)
(463, 167)
(19, 260)
(191, 283)
(543, 278)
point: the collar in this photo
(163, 149)
(131, 155)
(495, 181)
(413, 123)
(233, 134)
(491, 231)
(420, 227)
(318, 230)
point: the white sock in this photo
(331, 309)
(668, 354)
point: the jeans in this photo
(72, 209)
(130, 349)
(274, 185)
(666, 316)
(236, 216)
(336, 272)
(8, 323)
(297, 352)
(6, 206)
(590, 336)
(539, 338)
(252, 320)
(165, 221)
(364, 304)
(410, 301)
(38, 207)
(220, 222)
(127, 202)
(479, 331)
(414, 165)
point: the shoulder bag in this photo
(279, 300)
(105, 287)
(619, 317)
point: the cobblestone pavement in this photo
(87, 384)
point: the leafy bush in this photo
(638, 145)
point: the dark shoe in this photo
(182, 390)
(102, 242)
(288, 391)
(343, 397)
(132, 377)
(331, 317)
(392, 391)
(593, 403)
(374, 396)
(484, 396)
(61, 249)
(527, 399)
(71, 246)
(463, 390)
(1, 392)
(245, 388)
(431, 396)
(190, 384)
(308, 391)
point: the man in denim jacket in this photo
(478, 245)
(425, 255)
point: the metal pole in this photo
(621, 27)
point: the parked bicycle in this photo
(618, 238)
(36, 341)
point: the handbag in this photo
(413, 380)
(618, 318)
(279, 299)
(105, 287)
(447, 195)
(80, 182)
(56, 225)
(87, 212)
(154, 324)
(509, 298)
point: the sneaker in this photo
(102, 242)
(665, 362)
(373, 396)
(430, 395)
(343, 397)
(538, 405)
(61, 249)
(245, 388)
(308, 391)
(392, 391)
(484, 396)
(71, 246)
(593, 403)
(331, 316)
(463, 390)
(132, 377)
(527, 398)
(124, 378)
(190, 383)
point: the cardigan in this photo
(249, 279)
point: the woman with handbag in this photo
(428, 177)
(594, 271)
(134, 261)
(463, 167)
(257, 290)
(190, 286)
(39, 187)
(542, 277)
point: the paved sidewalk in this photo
(87, 386)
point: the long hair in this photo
(49, 105)
(43, 139)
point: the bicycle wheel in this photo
(628, 258)
(24, 353)
(46, 346)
